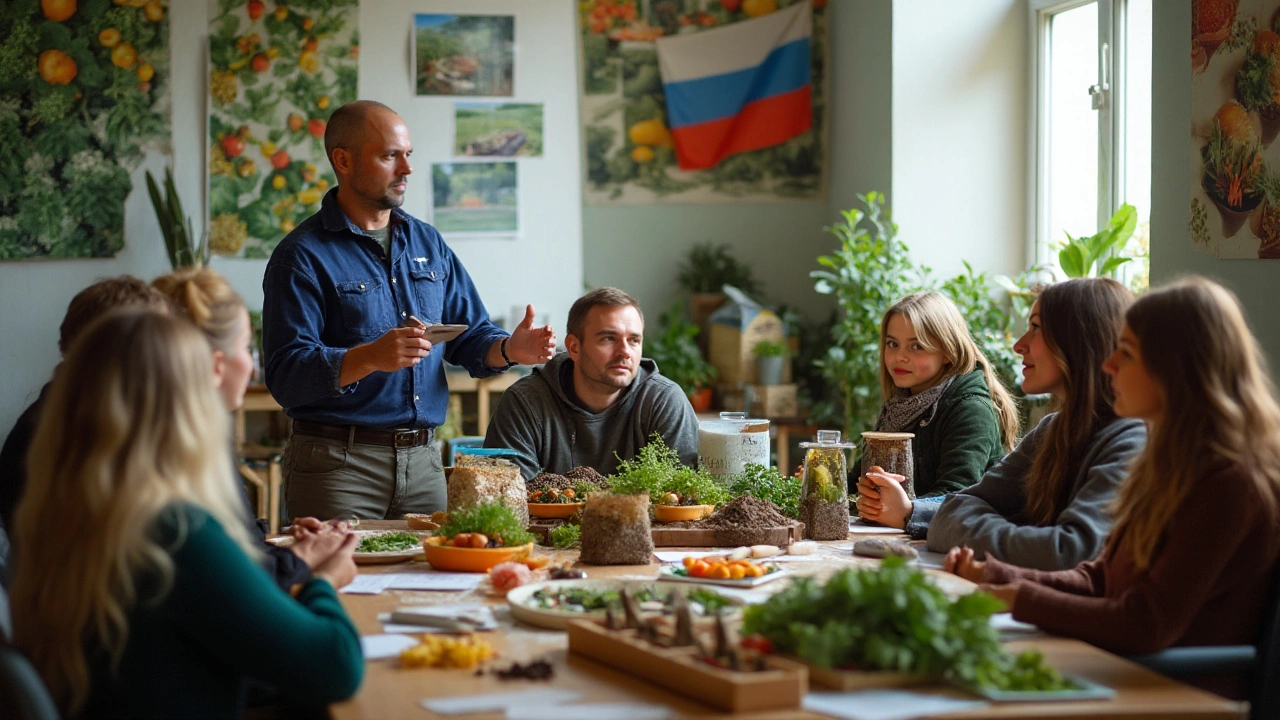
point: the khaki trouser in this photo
(326, 478)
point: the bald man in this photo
(348, 298)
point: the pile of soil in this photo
(824, 520)
(552, 481)
(741, 519)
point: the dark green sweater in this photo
(223, 622)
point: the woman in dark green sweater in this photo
(137, 592)
(938, 385)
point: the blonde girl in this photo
(1192, 558)
(938, 385)
(146, 601)
(1047, 504)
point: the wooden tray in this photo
(859, 679)
(781, 687)
(664, 536)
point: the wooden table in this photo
(392, 692)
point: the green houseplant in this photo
(771, 359)
(675, 350)
(179, 239)
(708, 268)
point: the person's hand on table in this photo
(960, 560)
(315, 542)
(529, 345)
(340, 567)
(882, 498)
(1007, 594)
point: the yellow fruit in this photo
(311, 197)
(58, 10)
(278, 182)
(287, 225)
(642, 154)
(323, 102)
(146, 72)
(109, 37)
(154, 11)
(124, 56)
(756, 8)
(273, 52)
(650, 132)
(323, 184)
(309, 61)
(282, 12)
(268, 148)
(57, 67)
(308, 24)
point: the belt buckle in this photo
(406, 438)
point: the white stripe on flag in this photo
(734, 47)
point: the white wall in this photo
(960, 112)
(543, 267)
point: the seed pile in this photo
(533, 670)
(824, 520)
(552, 481)
(582, 473)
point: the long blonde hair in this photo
(132, 424)
(1080, 320)
(209, 301)
(1219, 407)
(939, 327)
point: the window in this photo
(1092, 119)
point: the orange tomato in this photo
(295, 122)
(58, 10)
(260, 63)
(756, 8)
(689, 561)
(280, 159)
(124, 56)
(282, 12)
(322, 102)
(642, 154)
(255, 8)
(316, 127)
(698, 568)
(146, 72)
(109, 37)
(308, 23)
(719, 572)
(154, 11)
(309, 61)
(737, 572)
(57, 67)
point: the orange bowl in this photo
(681, 513)
(554, 510)
(456, 559)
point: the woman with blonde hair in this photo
(147, 601)
(1194, 552)
(205, 298)
(939, 386)
(1047, 504)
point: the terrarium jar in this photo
(824, 503)
(892, 452)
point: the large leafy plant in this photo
(675, 350)
(709, 267)
(1080, 257)
(179, 239)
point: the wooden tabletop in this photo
(392, 692)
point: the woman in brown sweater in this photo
(1193, 553)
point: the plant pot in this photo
(447, 557)
(1232, 218)
(554, 510)
(681, 513)
(769, 369)
(701, 400)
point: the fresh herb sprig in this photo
(565, 536)
(492, 519)
(657, 470)
(766, 483)
(388, 542)
(1233, 168)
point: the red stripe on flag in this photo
(761, 124)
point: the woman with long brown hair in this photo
(1047, 504)
(136, 591)
(1192, 558)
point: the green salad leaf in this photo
(388, 542)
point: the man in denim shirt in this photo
(347, 298)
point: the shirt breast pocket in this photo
(366, 309)
(429, 284)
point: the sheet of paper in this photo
(592, 711)
(678, 556)
(367, 585)
(440, 581)
(500, 702)
(1011, 629)
(477, 615)
(797, 558)
(857, 527)
(885, 704)
(377, 647)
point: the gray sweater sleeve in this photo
(671, 416)
(516, 424)
(987, 516)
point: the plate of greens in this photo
(555, 603)
(377, 547)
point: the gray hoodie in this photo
(537, 416)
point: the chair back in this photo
(1264, 694)
(22, 692)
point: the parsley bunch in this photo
(766, 483)
(493, 519)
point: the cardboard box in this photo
(736, 327)
(773, 401)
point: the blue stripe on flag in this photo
(690, 102)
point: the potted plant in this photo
(707, 268)
(1233, 166)
(771, 359)
(179, 239)
(676, 352)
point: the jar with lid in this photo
(891, 451)
(824, 504)
(726, 445)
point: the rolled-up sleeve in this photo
(300, 368)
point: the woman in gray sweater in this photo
(1047, 504)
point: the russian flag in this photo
(742, 87)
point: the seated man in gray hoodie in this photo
(598, 402)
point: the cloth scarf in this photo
(901, 410)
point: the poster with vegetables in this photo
(276, 73)
(84, 94)
(629, 152)
(1235, 118)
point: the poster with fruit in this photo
(84, 94)
(276, 73)
(1235, 118)
(628, 148)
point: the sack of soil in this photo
(477, 479)
(824, 520)
(615, 530)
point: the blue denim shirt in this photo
(328, 288)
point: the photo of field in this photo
(464, 54)
(488, 129)
(475, 198)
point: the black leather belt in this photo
(367, 436)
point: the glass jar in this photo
(728, 444)
(824, 503)
(892, 452)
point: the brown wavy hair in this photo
(1081, 321)
(1219, 407)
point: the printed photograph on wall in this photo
(475, 199)
(464, 54)
(1235, 118)
(84, 95)
(497, 129)
(276, 74)
(703, 101)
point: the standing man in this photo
(348, 296)
(599, 401)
